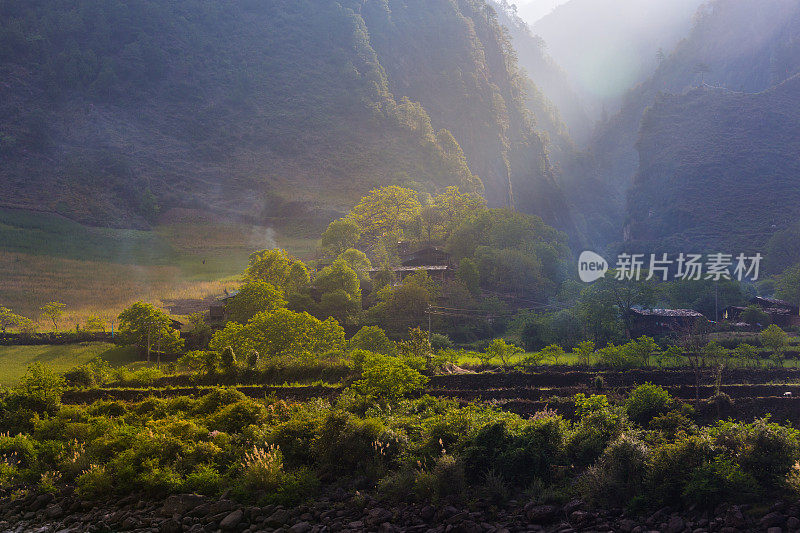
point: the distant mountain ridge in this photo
(744, 46)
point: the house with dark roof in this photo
(431, 259)
(781, 312)
(216, 310)
(655, 322)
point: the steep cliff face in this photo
(457, 61)
(113, 112)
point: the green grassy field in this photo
(568, 359)
(14, 360)
(571, 359)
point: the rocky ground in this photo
(342, 512)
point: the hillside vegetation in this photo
(113, 112)
(718, 169)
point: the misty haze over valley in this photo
(452, 266)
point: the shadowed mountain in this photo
(111, 113)
(719, 170)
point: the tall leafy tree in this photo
(386, 211)
(788, 285)
(340, 235)
(358, 261)
(253, 298)
(147, 327)
(282, 333)
(53, 311)
(277, 268)
(340, 291)
(776, 340)
(454, 206)
(9, 319)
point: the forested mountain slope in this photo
(719, 169)
(111, 112)
(552, 99)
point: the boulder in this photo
(300, 527)
(171, 526)
(181, 504)
(675, 524)
(232, 521)
(278, 518)
(541, 514)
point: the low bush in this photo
(204, 479)
(347, 444)
(263, 468)
(765, 450)
(446, 478)
(94, 482)
(598, 424)
(645, 451)
(529, 451)
(721, 480)
(672, 466)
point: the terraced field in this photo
(744, 393)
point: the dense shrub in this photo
(347, 443)
(386, 379)
(599, 423)
(373, 339)
(672, 466)
(645, 402)
(205, 479)
(237, 416)
(422, 449)
(440, 341)
(90, 374)
(619, 474)
(263, 469)
(528, 452)
(763, 449)
(95, 482)
(721, 480)
(446, 478)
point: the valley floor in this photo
(99, 271)
(14, 360)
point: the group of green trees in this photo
(503, 261)
(496, 253)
